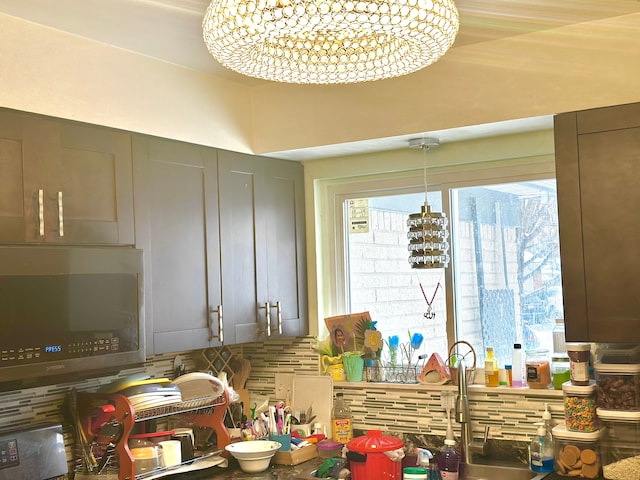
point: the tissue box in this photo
(295, 457)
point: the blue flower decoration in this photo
(394, 342)
(416, 340)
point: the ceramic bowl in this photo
(254, 455)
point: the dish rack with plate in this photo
(111, 449)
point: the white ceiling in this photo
(170, 30)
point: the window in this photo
(503, 284)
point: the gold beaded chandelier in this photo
(329, 41)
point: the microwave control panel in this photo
(72, 348)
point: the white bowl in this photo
(254, 455)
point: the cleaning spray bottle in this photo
(541, 451)
(424, 470)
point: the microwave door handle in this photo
(41, 212)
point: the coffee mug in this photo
(171, 452)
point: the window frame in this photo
(333, 227)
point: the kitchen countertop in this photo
(274, 472)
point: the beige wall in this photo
(524, 75)
(54, 73)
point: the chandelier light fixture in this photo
(329, 41)
(428, 235)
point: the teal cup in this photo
(285, 441)
(354, 367)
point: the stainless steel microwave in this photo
(68, 311)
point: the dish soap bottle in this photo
(341, 427)
(541, 451)
(449, 461)
(491, 377)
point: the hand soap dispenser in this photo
(541, 451)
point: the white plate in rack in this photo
(199, 385)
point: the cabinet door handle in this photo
(220, 335)
(60, 215)
(279, 316)
(41, 212)
(267, 314)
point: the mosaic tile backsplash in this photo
(411, 411)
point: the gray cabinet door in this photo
(14, 199)
(284, 283)
(64, 182)
(262, 247)
(239, 183)
(177, 226)
(598, 169)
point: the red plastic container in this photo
(368, 460)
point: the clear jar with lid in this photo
(577, 454)
(579, 356)
(560, 371)
(538, 368)
(580, 407)
(620, 444)
(559, 345)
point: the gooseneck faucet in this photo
(463, 417)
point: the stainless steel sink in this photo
(496, 472)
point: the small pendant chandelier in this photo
(428, 235)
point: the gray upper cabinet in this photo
(177, 227)
(262, 247)
(598, 172)
(64, 182)
(223, 235)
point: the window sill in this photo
(480, 389)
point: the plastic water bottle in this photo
(449, 461)
(519, 378)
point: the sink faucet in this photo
(463, 417)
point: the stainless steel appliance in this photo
(68, 311)
(36, 453)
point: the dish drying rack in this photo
(113, 450)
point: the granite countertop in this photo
(274, 472)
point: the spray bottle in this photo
(427, 470)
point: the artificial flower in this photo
(373, 340)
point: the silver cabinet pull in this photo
(60, 214)
(279, 316)
(267, 314)
(220, 335)
(41, 212)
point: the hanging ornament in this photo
(430, 314)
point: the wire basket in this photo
(400, 374)
(455, 350)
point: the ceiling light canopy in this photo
(329, 41)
